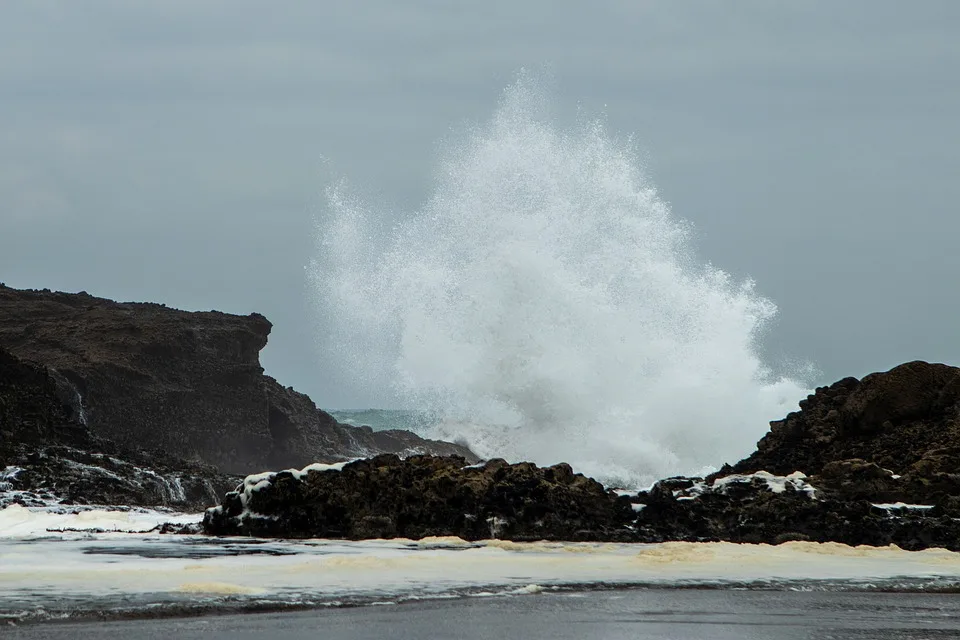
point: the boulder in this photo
(764, 508)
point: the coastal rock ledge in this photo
(386, 497)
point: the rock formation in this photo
(186, 384)
(904, 422)
(762, 508)
(49, 457)
(874, 461)
(131, 403)
(386, 497)
(883, 454)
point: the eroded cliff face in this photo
(188, 384)
(49, 458)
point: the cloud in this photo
(43, 171)
(29, 198)
(804, 140)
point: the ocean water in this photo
(546, 304)
(100, 565)
(420, 422)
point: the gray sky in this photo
(176, 151)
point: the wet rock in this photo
(48, 457)
(883, 458)
(387, 497)
(895, 420)
(858, 479)
(756, 512)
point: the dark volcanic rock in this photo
(762, 508)
(386, 497)
(904, 420)
(893, 436)
(873, 462)
(188, 384)
(883, 454)
(48, 457)
(31, 411)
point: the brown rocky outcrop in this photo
(188, 384)
(386, 497)
(894, 435)
(883, 454)
(748, 510)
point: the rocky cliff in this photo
(187, 384)
(48, 456)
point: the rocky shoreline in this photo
(106, 403)
(872, 462)
(387, 497)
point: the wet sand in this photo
(638, 614)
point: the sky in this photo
(177, 151)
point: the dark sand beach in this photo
(680, 614)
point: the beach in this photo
(637, 614)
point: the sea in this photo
(73, 571)
(544, 304)
(79, 575)
(384, 419)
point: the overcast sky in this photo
(176, 150)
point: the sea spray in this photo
(546, 305)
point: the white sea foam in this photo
(546, 305)
(17, 521)
(777, 484)
(77, 570)
(58, 561)
(7, 476)
(903, 505)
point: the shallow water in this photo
(637, 614)
(51, 571)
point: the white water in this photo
(545, 304)
(17, 521)
(46, 571)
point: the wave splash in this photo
(545, 305)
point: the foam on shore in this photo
(61, 563)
